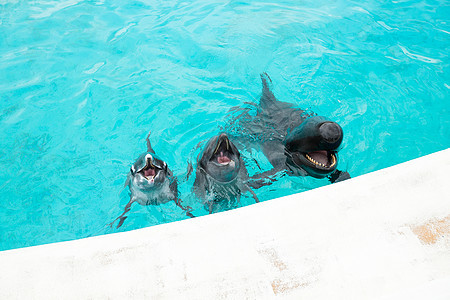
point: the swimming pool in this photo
(82, 83)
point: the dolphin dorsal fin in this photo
(149, 145)
(267, 97)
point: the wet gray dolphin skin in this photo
(221, 176)
(292, 140)
(151, 182)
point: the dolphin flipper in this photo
(267, 97)
(256, 184)
(149, 146)
(186, 209)
(253, 194)
(262, 179)
(338, 176)
(122, 218)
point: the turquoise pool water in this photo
(82, 82)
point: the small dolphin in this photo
(292, 140)
(221, 176)
(151, 182)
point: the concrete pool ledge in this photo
(383, 235)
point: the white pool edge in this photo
(383, 235)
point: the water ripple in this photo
(51, 7)
(419, 57)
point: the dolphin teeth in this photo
(333, 161)
(217, 148)
(220, 143)
(311, 159)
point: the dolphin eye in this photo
(132, 170)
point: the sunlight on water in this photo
(83, 82)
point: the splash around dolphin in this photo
(294, 141)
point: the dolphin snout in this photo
(331, 132)
(223, 136)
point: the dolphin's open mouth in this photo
(322, 159)
(223, 152)
(149, 171)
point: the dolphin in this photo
(151, 182)
(293, 140)
(221, 176)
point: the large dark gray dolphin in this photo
(151, 182)
(221, 176)
(292, 140)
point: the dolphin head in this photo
(148, 172)
(220, 159)
(313, 145)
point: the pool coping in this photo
(382, 235)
